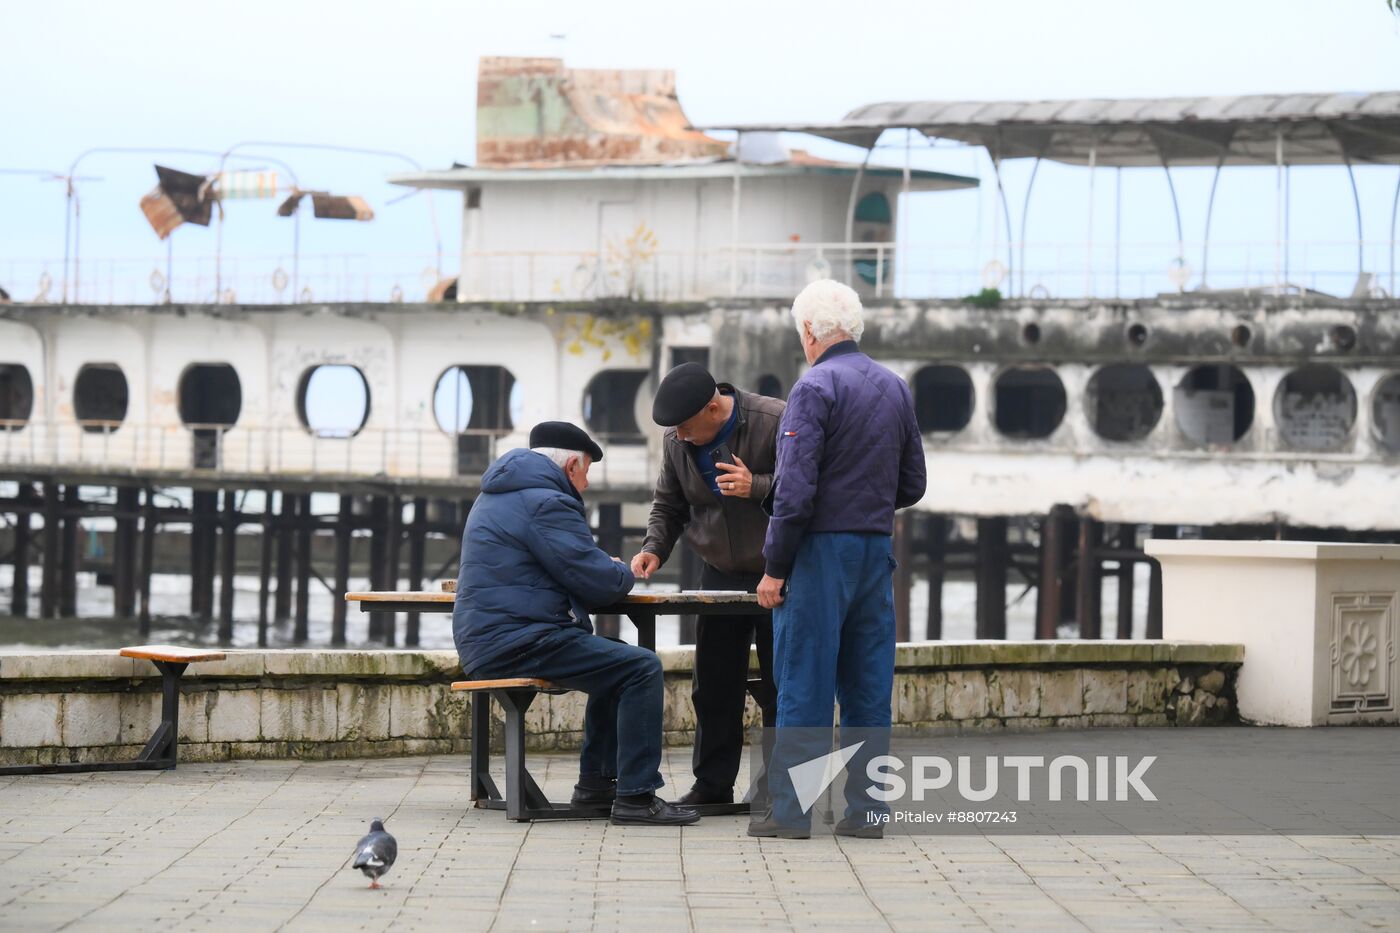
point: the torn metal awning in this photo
(1315, 129)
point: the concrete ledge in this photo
(94, 705)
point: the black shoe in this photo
(768, 828)
(860, 830)
(656, 813)
(594, 793)
(700, 795)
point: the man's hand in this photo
(770, 592)
(645, 564)
(735, 479)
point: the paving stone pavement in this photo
(264, 845)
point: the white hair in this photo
(831, 309)
(560, 455)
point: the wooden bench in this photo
(523, 799)
(161, 750)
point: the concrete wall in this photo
(691, 223)
(92, 705)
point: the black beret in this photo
(685, 390)
(565, 436)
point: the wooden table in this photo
(641, 608)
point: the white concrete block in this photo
(1319, 622)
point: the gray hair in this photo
(831, 309)
(559, 455)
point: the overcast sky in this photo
(401, 76)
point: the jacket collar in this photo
(838, 349)
(739, 402)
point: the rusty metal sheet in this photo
(536, 112)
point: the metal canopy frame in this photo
(1281, 130)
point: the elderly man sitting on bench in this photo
(530, 575)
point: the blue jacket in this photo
(529, 564)
(849, 454)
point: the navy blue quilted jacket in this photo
(529, 564)
(849, 454)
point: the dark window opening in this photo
(1214, 405)
(100, 397)
(333, 400)
(479, 404)
(211, 398)
(681, 355)
(1030, 403)
(1123, 402)
(1385, 413)
(942, 398)
(16, 396)
(610, 403)
(1315, 408)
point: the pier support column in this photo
(204, 542)
(285, 530)
(991, 577)
(343, 527)
(417, 542)
(1089, 589)
(149, 524)
(53, 519)
(19, 592)
(937, 571)
(228, 566)
(124, 552)
(903, 577)
(378, 542)
(1050, 593)
(1127, 541)
(68, 572)
(304, 524)
(393, 533)
(266, 543)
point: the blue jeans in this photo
(833, 640)
(622, 722)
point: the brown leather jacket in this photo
(726, 532)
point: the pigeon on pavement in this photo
(375, 853)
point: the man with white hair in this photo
(849, 454)
(531, 573)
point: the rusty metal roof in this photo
(535, 111)
(1317, 129)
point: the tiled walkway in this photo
(265, 845)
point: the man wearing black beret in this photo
(717, 462)
(530, 576)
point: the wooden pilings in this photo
(992, 561)
(418, 532)
(302, 623)
(227, 566)
(149, 525)
(343, 527)
(903, 545)
(19, 591)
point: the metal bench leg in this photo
(524, 799)
(165, 743)
(483, 788)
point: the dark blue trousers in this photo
(622, 722)
(833, 641)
